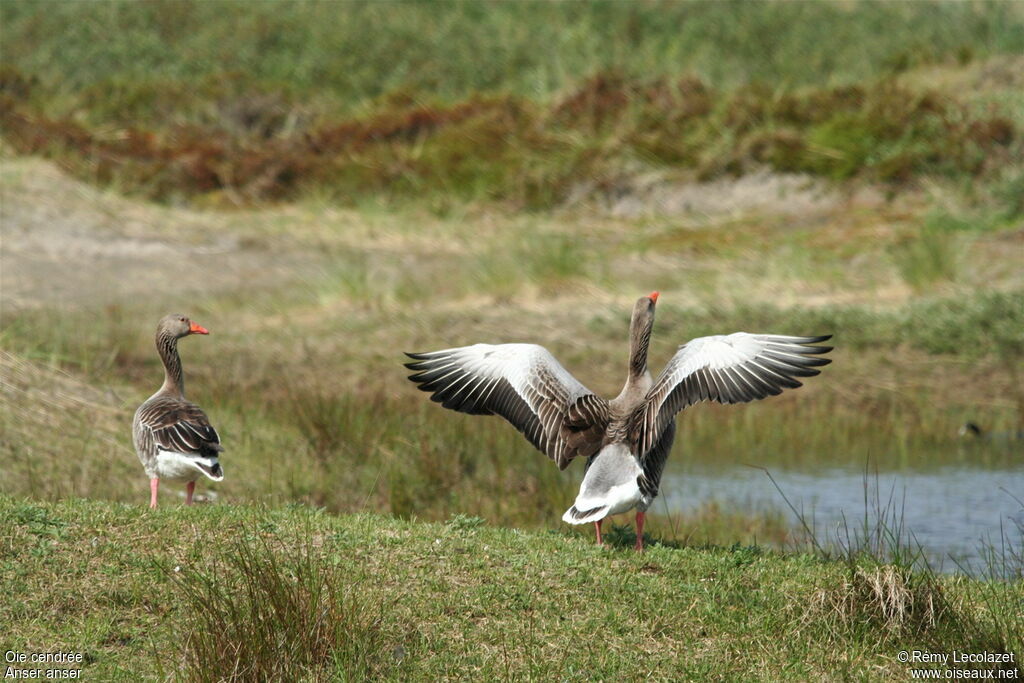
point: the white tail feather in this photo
(574, 516)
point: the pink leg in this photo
(189, 490)
(154, 484)
(639, 531)
(597, 528)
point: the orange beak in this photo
(197, 329)
(653, 296)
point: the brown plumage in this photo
(173, 437)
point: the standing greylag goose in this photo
(173, 437)
(625, 440)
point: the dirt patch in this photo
(760, 192)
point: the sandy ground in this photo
(67, 244)
(763, 192)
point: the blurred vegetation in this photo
(526, 102)
(144, 61)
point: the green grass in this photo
(348, 53)
(199, 593)
(279, 612)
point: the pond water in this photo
(952, 511)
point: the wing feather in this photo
(735, 368)
(522, 383)
(173, 424)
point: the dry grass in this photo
(889, 596)
(60, 435)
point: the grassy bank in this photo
(295, 593)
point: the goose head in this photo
(176, 326)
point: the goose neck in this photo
(639, 341)
(174, 381)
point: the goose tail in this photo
(576, 516)
(211, 468)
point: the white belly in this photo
(178, 467)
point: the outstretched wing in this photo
(525, 385)
(735, 368)
(179, 426)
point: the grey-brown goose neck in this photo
(638, 379)
(174, 380)
(639, 341)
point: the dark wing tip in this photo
(815, 350)
(422, 383)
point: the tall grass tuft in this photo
(255, 615)
(1003, 560)
(891, 598)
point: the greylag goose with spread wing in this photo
(173, 437)
(625, 440)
